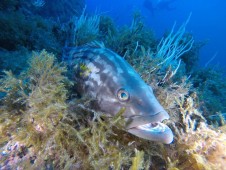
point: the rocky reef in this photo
(45, 125)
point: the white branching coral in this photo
(86, 28)
(174, 45)
(171, 48)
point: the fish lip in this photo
(160, 133)
(140, 120)
(150, 127)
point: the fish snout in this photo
(145, 119)
(150, 127)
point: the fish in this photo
(112, 82)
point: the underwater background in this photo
(207, 23)
(46, 124)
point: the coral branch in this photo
(174, 45)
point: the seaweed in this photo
(31, 32)
(35, 101)
(211, 88)
(8, 58)
(192, 56)
(126, 40)
(85, 28)
(43, 126)
(9, 5)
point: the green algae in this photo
(37, 115)
(51, 129)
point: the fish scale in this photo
(106, 77)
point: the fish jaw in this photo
(155, 132)
(151, 128)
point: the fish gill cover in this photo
(45, 123)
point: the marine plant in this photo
(52, 9)
(172, 47)
(9, 4)
(96, 27)
(32, 106)
(21, 30)
(210, 85)
(8, 58)
(164, 61)
(126, 40)
(33, 33)
(191, 57)
(198, 146)
(86, 28)
(41, 127)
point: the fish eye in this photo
(123, 95)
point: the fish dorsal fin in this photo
(95, 44)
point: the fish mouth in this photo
(151, 128)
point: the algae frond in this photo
(42, 125)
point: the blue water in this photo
(208, 21)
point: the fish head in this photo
(143, 113)
(147, 117)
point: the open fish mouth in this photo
(153, 127)
(152, 130)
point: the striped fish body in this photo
(113, 84)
